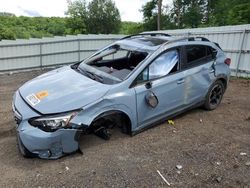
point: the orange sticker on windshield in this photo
(42, 94)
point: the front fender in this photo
(87, 116)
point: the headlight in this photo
(52, 123)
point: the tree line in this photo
(103, 17)
(195, 13)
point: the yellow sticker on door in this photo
(41, 94)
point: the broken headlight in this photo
(52, 123)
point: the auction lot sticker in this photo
(42, 94)
(33, 100)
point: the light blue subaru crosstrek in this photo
(133, 84)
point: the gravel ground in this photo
(213, 148)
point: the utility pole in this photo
(159, 15)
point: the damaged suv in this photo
(134, 83)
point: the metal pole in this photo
(79, 50)
(41, 57)
(241, 47)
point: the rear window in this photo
(195, 52)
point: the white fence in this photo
(35, 53)
(234, 40)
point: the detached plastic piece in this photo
(170, 122)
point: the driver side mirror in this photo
(151, 99)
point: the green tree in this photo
(150, 16)
(103, 17)
(56, 26)
(194, 13)
(209, 7)
(149, 11)
(227, 12)
(129, 28)
(177, 13)
(13, 27)
(220, 12)
(77, 16)
(239, 14)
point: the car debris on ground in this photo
(164, 179)
(179, 167)
(243, 153)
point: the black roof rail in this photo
(186, 38)
(147, 33)
(202, 39)
(176, 40)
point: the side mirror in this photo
(151, 99)
(148, 85)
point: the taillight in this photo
(227, 61)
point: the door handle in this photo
(180, 81)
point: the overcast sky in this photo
(129, 9)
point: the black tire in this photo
(214, 95)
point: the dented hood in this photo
(61, 90)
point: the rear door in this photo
(198, 68)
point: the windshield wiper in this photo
(95, 76)
(91, 75)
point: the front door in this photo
(159, 88)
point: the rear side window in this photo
(197, 54)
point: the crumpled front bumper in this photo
(46, 145)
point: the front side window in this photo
(163, 65)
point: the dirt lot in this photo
(206, 144)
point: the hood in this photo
(61, 90)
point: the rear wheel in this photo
(214, 95)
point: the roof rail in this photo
(176, 40)
(189, 39)
(202, 39)
(186, 38)
(147, 33)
